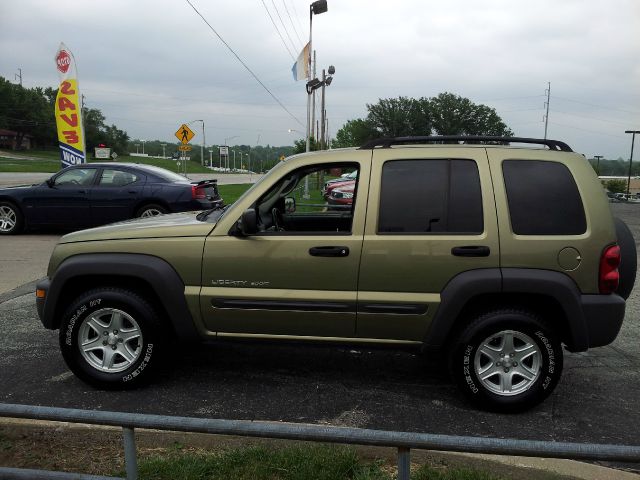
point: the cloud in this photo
(151, 65)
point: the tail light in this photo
(609, 275)
(197, 193)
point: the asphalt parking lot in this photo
(596, 400)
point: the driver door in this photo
(297, 276)
(65, 202)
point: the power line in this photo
(244, 64)
(295, 14)
(292, 24)
(278, 31)
(585, 130)
(597, 106)
(286, 30)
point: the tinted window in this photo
(76, 176)
(430, 196)
(116, 178)
(543, 198)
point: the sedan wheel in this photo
(151, 211)
(10, 219)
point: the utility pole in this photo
(633, 139)
(546, 116)
(313, 101)
(597, 157)
(18, 76)
(324, 113)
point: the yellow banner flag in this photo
(68, 111)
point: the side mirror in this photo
(248, 223)
(289, 205)
(49, 182)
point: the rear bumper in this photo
(603, 316)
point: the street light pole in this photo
(317, 7)
(633, 139)
(597, 157)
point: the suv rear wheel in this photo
(111, 338)
(507, 360)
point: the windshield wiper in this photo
(202, 216)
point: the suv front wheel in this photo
(110, 338)
(507, 360)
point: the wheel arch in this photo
(545, 293)
(148, 276)
(150, 201)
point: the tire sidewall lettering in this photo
(467, 369)
(145, 361)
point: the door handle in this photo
(82, 191)
(329, 251)
(471, 251)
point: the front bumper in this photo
(42, 289)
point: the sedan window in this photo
(116, 178)
(76, 176)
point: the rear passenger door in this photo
(431, 216)
(115, 196)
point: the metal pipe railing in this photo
(403, 441)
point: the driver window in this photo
(319, 199)
(76, 176)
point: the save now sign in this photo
(68, 112)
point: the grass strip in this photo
(315, 462)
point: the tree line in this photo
(444, 114)
(30, 111)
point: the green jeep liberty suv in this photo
(495, 255)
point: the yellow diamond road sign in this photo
(185, 134)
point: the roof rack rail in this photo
(389, 141)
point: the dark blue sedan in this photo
(94, 194)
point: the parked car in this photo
(341, 197)
(329, 185)
(464, 250)
(99, 193)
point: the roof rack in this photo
(388, 142)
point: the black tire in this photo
(132, 359)
(628, 258)
(151, 210)
(11, 219)
(545, 358)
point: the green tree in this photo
(446, 114)
(300, 146)
(353, 133)
(454, 115)
(616, 186)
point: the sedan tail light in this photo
(609, 275)
(198, 192)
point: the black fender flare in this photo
(467, 286)
(159, 274)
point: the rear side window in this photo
(543, 198)
(430, 197)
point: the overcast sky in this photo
(150, 65)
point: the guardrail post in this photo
(404, 463)
(130, 457)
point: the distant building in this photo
(8, 139)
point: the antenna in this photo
(546, 104)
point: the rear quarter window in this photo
(543, 198)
